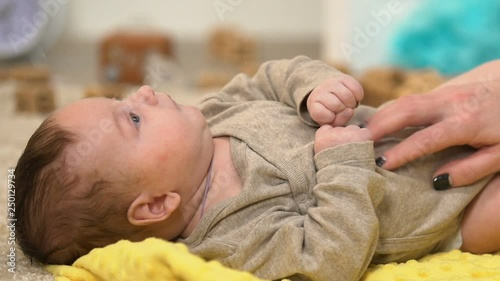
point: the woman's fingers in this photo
(411, 110)
(468, 170)
(426, 141)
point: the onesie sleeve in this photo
(286, 81)
(337, 237)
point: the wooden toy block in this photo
(123, 54)
(230, 46)
(25, 101)
(417, 82)
(379, 85)
(44, 99)
(384, 84)
(232, 52)
(115, 91)
(33, 89)
(35, 98)
(31, 74)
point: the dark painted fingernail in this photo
(362, 125)
(380, 161)
(442, 182)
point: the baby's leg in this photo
(481, 223)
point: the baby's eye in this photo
(135, 118)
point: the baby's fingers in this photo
(320, 113)
(344, 95)
(331, 101)
(328, 136)
(343, 117)
(354, 87)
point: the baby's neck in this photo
(225, 182)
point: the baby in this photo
(247, 179)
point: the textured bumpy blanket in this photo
(155, 259)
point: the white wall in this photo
(191, 19)
(336, 22)
(356, 32)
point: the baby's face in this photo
(147, 136)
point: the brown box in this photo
(35, 98)
(123, 54)
(379, 85)
(232, 46)
(33, 90)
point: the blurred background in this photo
(53, 52)
(200, 45)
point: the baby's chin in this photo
(197, 111)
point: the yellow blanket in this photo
(156, 259)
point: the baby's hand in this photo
(333, 101)
(328, 136)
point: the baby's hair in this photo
(61, 217)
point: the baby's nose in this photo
(147, 95)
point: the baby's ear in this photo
(147, 209)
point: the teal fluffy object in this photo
(449, 36)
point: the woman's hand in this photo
(466, 114)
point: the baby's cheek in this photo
(165, 157)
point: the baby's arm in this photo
(336, 238)
(286, 81)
